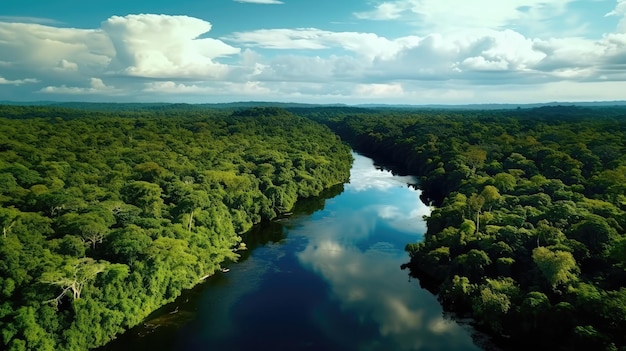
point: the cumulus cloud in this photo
(250, 88)
(65, 65)
(437, 15)
(367, 44)
(619, 11)
(470, 56)
(96, 86)
(165, 46)
(385, 11)
(150, 46)
(569, 53)
(379, 90)
(35, 48)
(17, 81)
(170, 87)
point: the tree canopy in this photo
(106, 216)
(528, 231)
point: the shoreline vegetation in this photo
(527, 236)
(107, 216)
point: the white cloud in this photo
(267, 2)
(250, 88)
(479, 63)
(170, 87)
(379, 90)
(152, 46)
(161, 46)
(302, 38)
(386, 61)
(620, 11)
(385, 11)
(18, 81)
(65, 65)
(438, 16)
(569, 53)
(96, 86)
(366, 44)
(35, 48)
(174, 58)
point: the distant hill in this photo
(498, 106)
(111, 106)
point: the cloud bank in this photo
(461, 56)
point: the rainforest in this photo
(109, 212)
(527, 232)
(107, 216)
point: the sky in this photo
(313, 51)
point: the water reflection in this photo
(327, 278)
(365, 175)
(356, 244)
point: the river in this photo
(327, 278)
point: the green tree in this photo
(128, 244)
(475, 157)
(557, 267)
(73, 277)
(491, 196)
(473, 264)
(8, 218)
(145, 195)
(494, 301)
(475, 203)
(595, 233)
(505, 182)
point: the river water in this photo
(327, 278)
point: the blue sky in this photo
(324, 51)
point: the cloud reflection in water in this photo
(356, 244)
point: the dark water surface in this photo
(326, 280)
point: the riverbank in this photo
(528, 233)
(107, 217)
(326, 278)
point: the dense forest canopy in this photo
(106, 216)
(528, 233)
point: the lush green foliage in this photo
(106, 216)
(528, 235)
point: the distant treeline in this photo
(528, 233)
(106, 216)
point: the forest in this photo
(108, 215)
(527, 234)
(108, 212)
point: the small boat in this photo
(225, 270)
